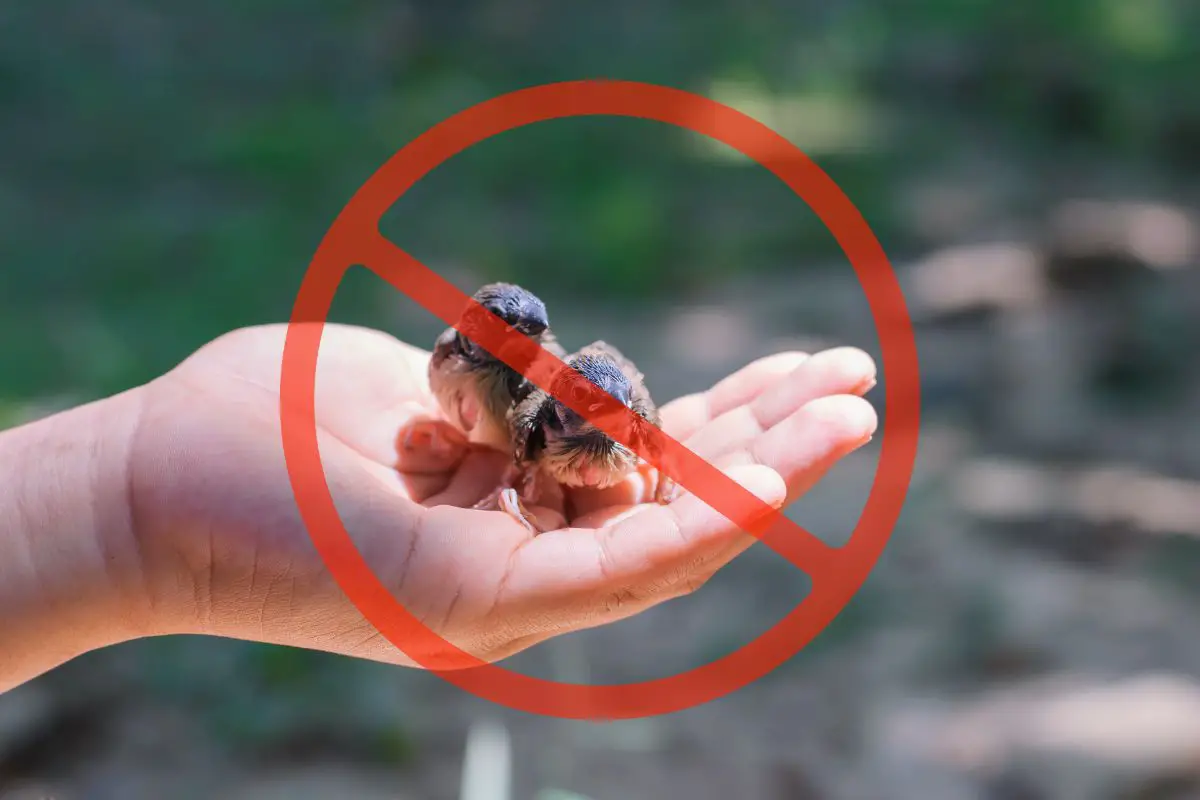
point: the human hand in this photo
(225, 552)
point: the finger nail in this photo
(763, 482)
(865, 386)
(439, 446)
(417, 440)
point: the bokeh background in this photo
(1031, 170)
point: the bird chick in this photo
(553, 442)
(475, 389)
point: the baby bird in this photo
(553, 442)
(475, 389)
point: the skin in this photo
(168, 509)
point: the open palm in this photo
(227, 552)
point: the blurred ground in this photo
(1031, 170)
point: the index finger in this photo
(685, 415)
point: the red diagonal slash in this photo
(836, 573)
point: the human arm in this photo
(169, 510)
(68, 565)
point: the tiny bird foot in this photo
(513, 476)
(667, 490)
(508, 500)
(492, 501)
(511, 503)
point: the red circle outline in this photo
(354, 238)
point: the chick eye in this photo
(579, 393)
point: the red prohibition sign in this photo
(836, 572)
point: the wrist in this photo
(71, 579)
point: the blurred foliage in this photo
(171, 167)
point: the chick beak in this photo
(531, 327)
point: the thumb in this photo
(429, 446)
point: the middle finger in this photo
(843, 370)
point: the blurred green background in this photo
(1031, 170)
(170, 166)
